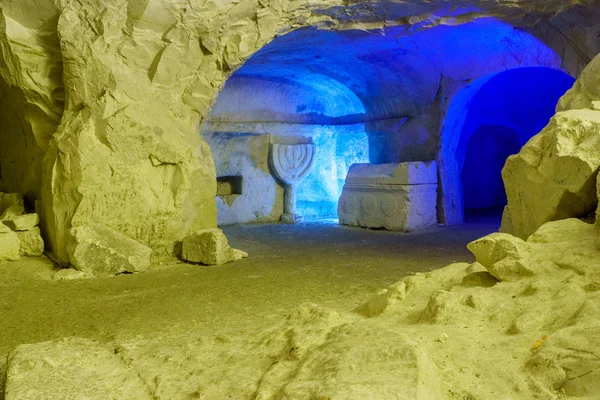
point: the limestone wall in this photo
(242, 151)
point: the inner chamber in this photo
(463, 95)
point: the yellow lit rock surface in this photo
(554, 175)
(31, 242)
(101, 105)
(71, 368)
(98, 250)
(447, 334)
(24, 222)
(9, 244)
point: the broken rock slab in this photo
(12, 212)
(70, 368)
(553, 177)
(209, 247)
(98, 250)
(32, 244)
(25, 222)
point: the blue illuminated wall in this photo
(501, 116)
(380, 97)
(485, 156)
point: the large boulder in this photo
(12, 212)
(70, 368)
(32, 244)
(553, 177)
(24, 222)
(98, 250)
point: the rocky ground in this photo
(301, 320)
(206, 324)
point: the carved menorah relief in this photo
(291, 163)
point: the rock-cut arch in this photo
(522, 100)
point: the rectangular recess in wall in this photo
(230, 185)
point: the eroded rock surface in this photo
(31, 242)
(554, 175)
(98, 250)
(70, 368)
(24, 222)
(209, 247)
(482, 330)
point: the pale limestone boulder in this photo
(32, 244)
(209, 247)
(553, 176)
(9, 244)
(71, 368)
(12, 212)
(98, 250)
(585, 93)
(24, 222)
(327, 356)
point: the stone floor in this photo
(319, 262)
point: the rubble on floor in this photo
(19, 232)
(530, 306)
(209, 247)
(98, 250)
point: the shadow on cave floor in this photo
(485, 216)
(333, 266)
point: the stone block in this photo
(98, 250)
(24, 222)
(12, 212)
(506, 257)
(410, 173)
(553, 176)
(32, 244)
(9, 245)
(373, 196)
(209, 247)
(239, 254)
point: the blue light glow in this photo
(504, 113)
(373, 96)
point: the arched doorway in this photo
(489, 119)
(362, 96)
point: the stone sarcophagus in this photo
(397, 197)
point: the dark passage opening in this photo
(485, 156)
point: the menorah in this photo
(291, 164)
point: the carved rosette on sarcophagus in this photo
(291, 163)
(396, 197)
